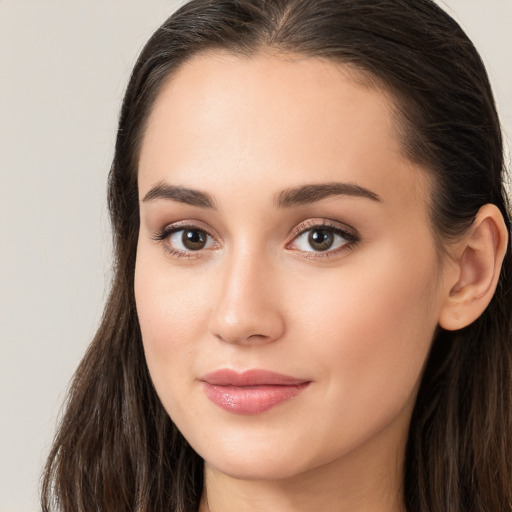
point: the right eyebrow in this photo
(189, 196)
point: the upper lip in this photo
(254, 377)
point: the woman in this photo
(311, 308)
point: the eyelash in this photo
(350, 236)
(165, 233)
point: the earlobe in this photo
(477, 268)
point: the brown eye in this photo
(323, 238)
(320, 239)
(186, 239)
(193, 239)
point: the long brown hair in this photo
(118, 450)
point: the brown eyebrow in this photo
(304, 194)
(307, 194)
(182, 194)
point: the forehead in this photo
(279, 121)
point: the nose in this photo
(247, 310)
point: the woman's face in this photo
(283, 231)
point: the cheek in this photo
(172, 317)
(370, 329)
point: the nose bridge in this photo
(246, 309)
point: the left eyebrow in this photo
(307, 194)
(185, 195)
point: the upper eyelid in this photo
(182, 225)
(310, 224)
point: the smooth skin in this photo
(229, 275)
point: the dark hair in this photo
(118, 450)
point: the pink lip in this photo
(250, 392)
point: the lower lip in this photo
(251, 399)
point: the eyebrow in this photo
(307, 194)
(181, 194)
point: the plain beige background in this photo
(63, 68)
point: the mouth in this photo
(250, 392)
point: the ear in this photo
(477, 266)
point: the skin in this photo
(356, 321)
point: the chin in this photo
(257, 459)
(255, 468)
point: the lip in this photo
(250, 392)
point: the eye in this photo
(183, 240)
(322, 239)
(190, 240)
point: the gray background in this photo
(63, 68)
